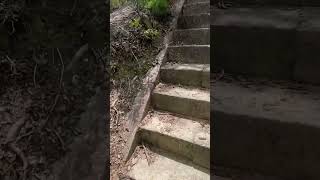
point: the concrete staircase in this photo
(266, 109)
(177, 129)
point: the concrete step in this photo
(187, 101)
(279, 3)
(191, 54)
(197, 75)
(197, 36)
(255, 41)
(196, 8)
(194, 1)
(261, 127)
(307, 49)
(270, 42)
(194, 21)
(164, 166)
(186, 138)
(250, 176)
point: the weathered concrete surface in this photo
(267, 129)
(286, 3)
(197, 54)
(186, 101)
(194, 21)
(308, 46)
(196, 8)
(220, 178)
(142, 100)
(197, 36)
(250, 176)
(272, 42)
(166, 167)
(255, 41)
(281, 3)
(183, 129)
(278, 18)
(193, 1)
(197, 75)
(186, 137)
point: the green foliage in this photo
(117, 3)
(136, 23)
(151, 34)
(156, 7)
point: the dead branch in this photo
(58, 94)
(60, 140)
(52, 55)
(62, 70)
(135, 57)
(12, 65)
(146, 153)
(13, 29)
(73, 7)
(19, 152)
(34, 75)
(14, 130)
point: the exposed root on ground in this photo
(11, 142)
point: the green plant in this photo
(156, 7)
(136, 23)
(117, 3)
(151, 33)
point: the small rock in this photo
(134, 161)
(202, 138)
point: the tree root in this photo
(83, 49)
(11, 142)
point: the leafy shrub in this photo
(151, 34)
(135, 23)
(156, 7)
(117, 3)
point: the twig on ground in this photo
(73, 7)
(23, 136)
(219, 77)
(12, 65)
(58, 94)
(62, 70)
(52, 55)
(34, 75)
(146, 153)
(135, 57)
(115, 101)
(50, 112)
(13, 29)
(60, 140)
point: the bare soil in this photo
(38, 111)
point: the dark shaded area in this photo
(273, 42)
(54, 76)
